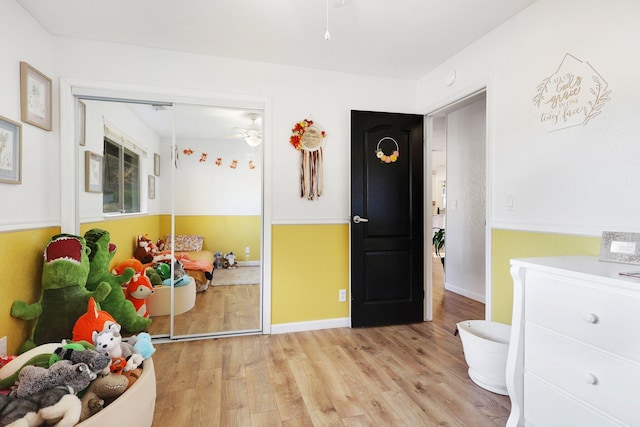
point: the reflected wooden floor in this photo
(411, 375)
(218, 309)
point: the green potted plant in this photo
(438, 243)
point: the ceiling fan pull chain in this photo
(327, 36)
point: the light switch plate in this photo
(3, 346)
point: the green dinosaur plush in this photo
(121, 309)
(64, 297)
(154, 276)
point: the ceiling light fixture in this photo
(252, 136)
(327, 36)
(253, 139)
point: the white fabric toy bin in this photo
(486, 345)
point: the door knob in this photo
(358, 220)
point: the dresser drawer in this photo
(580, 310)
(597, 378)
(547, 407)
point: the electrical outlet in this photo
(3, 346)
(247, 250)
(342, 295)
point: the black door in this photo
(387, 262)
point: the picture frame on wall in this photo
(35, 97)
(152, 187)
(10, 151)
(93, 172)
(156, 164)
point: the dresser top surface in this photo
(583, 267)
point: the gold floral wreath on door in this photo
(387, 158)
(309, 140)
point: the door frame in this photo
(446, 103)
(70, 88)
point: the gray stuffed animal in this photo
(58, 405)
(95, 361)
(34, 379)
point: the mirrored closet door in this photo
(185, 182)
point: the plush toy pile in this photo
(75, 381)
(84, 306)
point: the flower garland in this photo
(298, 132)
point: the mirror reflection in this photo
(198, 192)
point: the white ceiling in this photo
(391, 38)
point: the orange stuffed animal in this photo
(138, 288)
(92, 320)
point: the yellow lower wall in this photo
(507, 244)
(225, 233)
(21, 253)
(310, 264)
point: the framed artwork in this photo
(93, 172)
(156, 164)
(10, 151)
(35, 97)
(620, 247)
(152, 187)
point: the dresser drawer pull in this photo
(590, 379)
(590, 318)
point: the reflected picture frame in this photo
(152, 187)
(156, 164)
(10, 151)
(93, 172)
(35, 97)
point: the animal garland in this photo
(218, 161)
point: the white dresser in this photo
(574, 354)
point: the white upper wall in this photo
(36, 202)
(293, 93)
(233, 187)
(581, 179)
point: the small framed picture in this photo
(152, 187)
(35, 97)
(620, 247)
(10, 151)
(93, 172)
(156, 164)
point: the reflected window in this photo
(121, 189)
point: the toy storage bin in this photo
(486, 345)
(134, 407)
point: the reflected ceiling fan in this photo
(253, 134)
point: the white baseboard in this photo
(314, 325)
(465, 292)
(248, 263)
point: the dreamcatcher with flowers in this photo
(308, 139)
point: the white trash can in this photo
(486, 345)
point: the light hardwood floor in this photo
(412, 375)
(218, 309)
